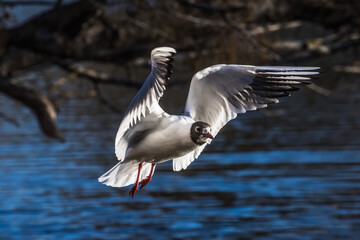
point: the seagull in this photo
(148, 135)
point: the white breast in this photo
(170, 139)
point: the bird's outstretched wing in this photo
(218, 93)
(146, 102)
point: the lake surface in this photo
(291, 171)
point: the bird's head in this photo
(200, 132)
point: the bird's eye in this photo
(197, 129)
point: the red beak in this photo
(208, 135)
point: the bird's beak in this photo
(208, 135)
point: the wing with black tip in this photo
(218, 93)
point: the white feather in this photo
(125, 173)
(183, 162)
(218, 93)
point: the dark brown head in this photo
(200, 133)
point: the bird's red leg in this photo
(135, 187)
(148, 178)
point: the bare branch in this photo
(98, 77)
(104, 78)
(324, 49)
(273, 27)
(207, 7)
(104, 100)
(39, 104)
(148, 27)
(251, 40)
(199, 21)
(348, 69)
(319, 90)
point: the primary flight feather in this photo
(148, 135)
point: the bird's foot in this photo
(145, 181)
(133, 190)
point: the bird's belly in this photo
(160, 150)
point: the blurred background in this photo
(69, 69)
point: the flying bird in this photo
(148, 135)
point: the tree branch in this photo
(103, 99)
(251, 40)
(104, 78)
(207, 7)
(324, 49)
(98, 77)
(39, 104)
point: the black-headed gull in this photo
(148, 135)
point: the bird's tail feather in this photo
(124, 174)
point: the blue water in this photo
(262, 195)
